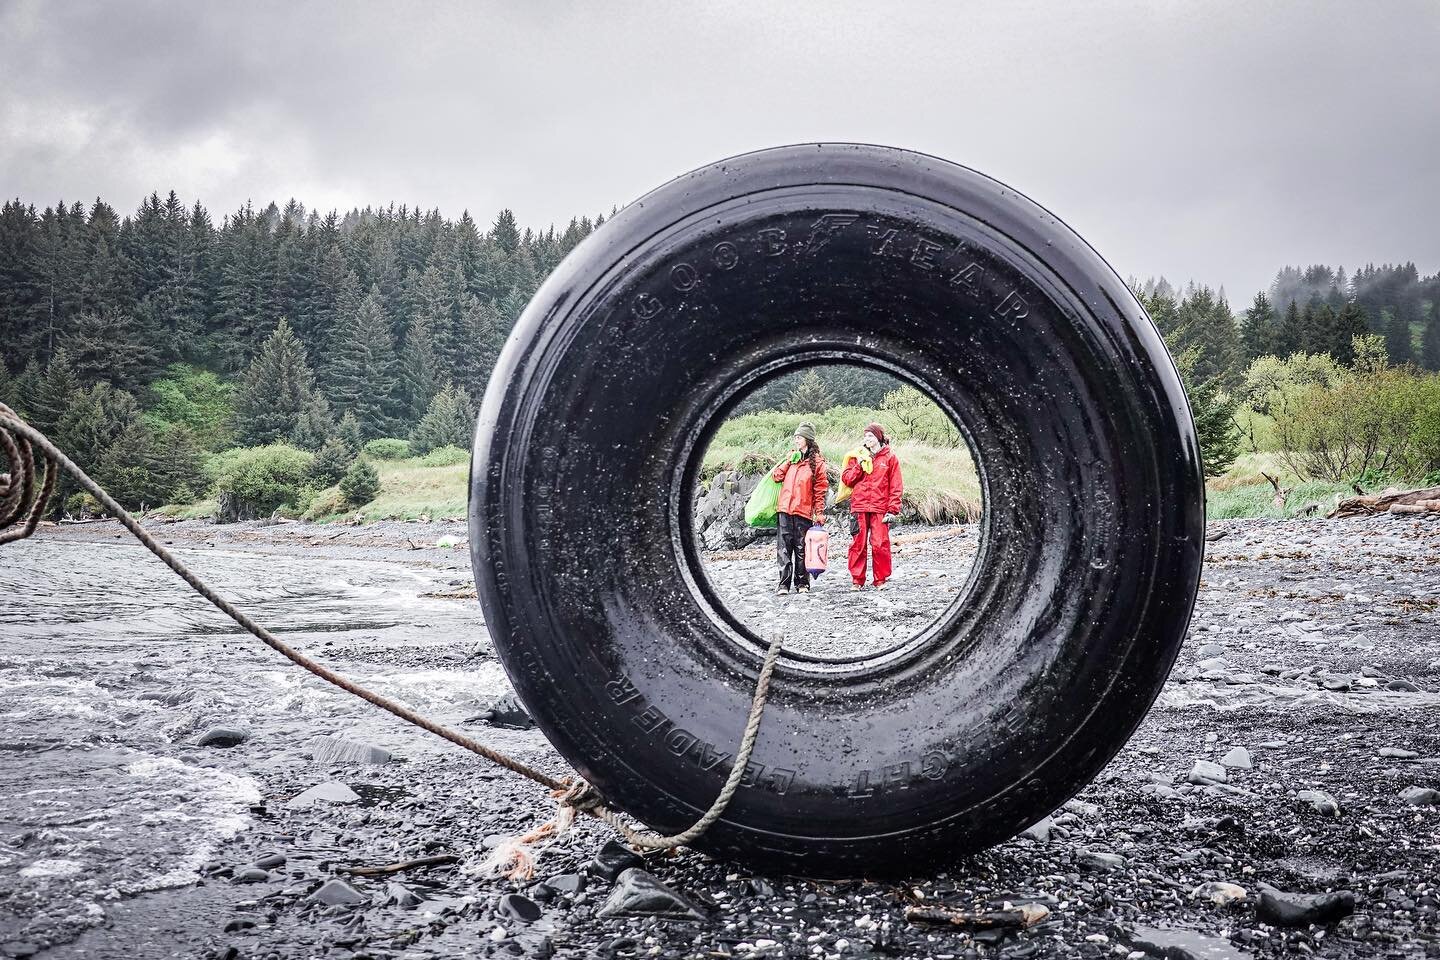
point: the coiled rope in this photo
(27, 488)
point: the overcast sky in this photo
(1195, 140)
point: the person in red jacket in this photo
(875, 503)
(802, 504)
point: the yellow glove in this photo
(867, 465)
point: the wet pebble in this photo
(1238, 758)
(223, 737)
(613, 859)
(1319, 801)
(332, 791)
(638, 893)
(1420, 796)
(514, 906)
(335, 893)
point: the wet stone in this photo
(514, 906)
(1320, 801)
(1280, 909)
(1207, 771)
(613, 859)
(223, 737)
(270, 861)
(399, 895)
(1219, 892)
(1181, 945)
(1238, 758)
(566, 884)
(638, 893)
(1102, 862)
(328, 749)
(1040, 830)
(331, 791)
(1402, 686)
(251, 875)
(337, 893)
(507, 712)
(1420, 796)
(1397, 753)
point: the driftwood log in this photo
(1424, 500)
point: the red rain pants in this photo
(874, 532)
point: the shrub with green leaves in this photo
(253, 482)
(388, 448)
(361, 483)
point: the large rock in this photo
(1320, 801)
(328, 749)
(1207, 771)
(1280, 909)
(720, 512)
(638, 893)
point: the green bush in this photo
(445, 457)
(1364, 424)
(361, 484)
(195, 399)
(252, 482)
(388, 448)
(326, 503)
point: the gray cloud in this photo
(1214, 141)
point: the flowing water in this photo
(111, 669)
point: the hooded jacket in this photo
(878, 491)
(802, 492)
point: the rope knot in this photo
(578, 795)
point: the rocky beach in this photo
(172, 788)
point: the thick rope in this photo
(25, 491)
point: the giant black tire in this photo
(586, 455)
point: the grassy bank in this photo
(941, 483)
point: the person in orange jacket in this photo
(803, 485)
(875, 502)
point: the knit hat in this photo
(807, 431)
(879, 432)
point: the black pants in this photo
(790, 533)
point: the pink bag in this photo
(817, 550)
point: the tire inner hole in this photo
(932, 543)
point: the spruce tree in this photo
(1260, 333)
(449, 422)
(420, 367)
(361, 483)
(347, 431)
(7, 386)
(1345, 326)
(1430, 341)
(315, 424)
(363, 368)
(480, 337)
(54, 394)
(108, 346)
(810, 395)
(1398, 344)
(25, 389)
(1290, 337)
(277, 389)
(331, 462)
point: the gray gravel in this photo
(1327, 674)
